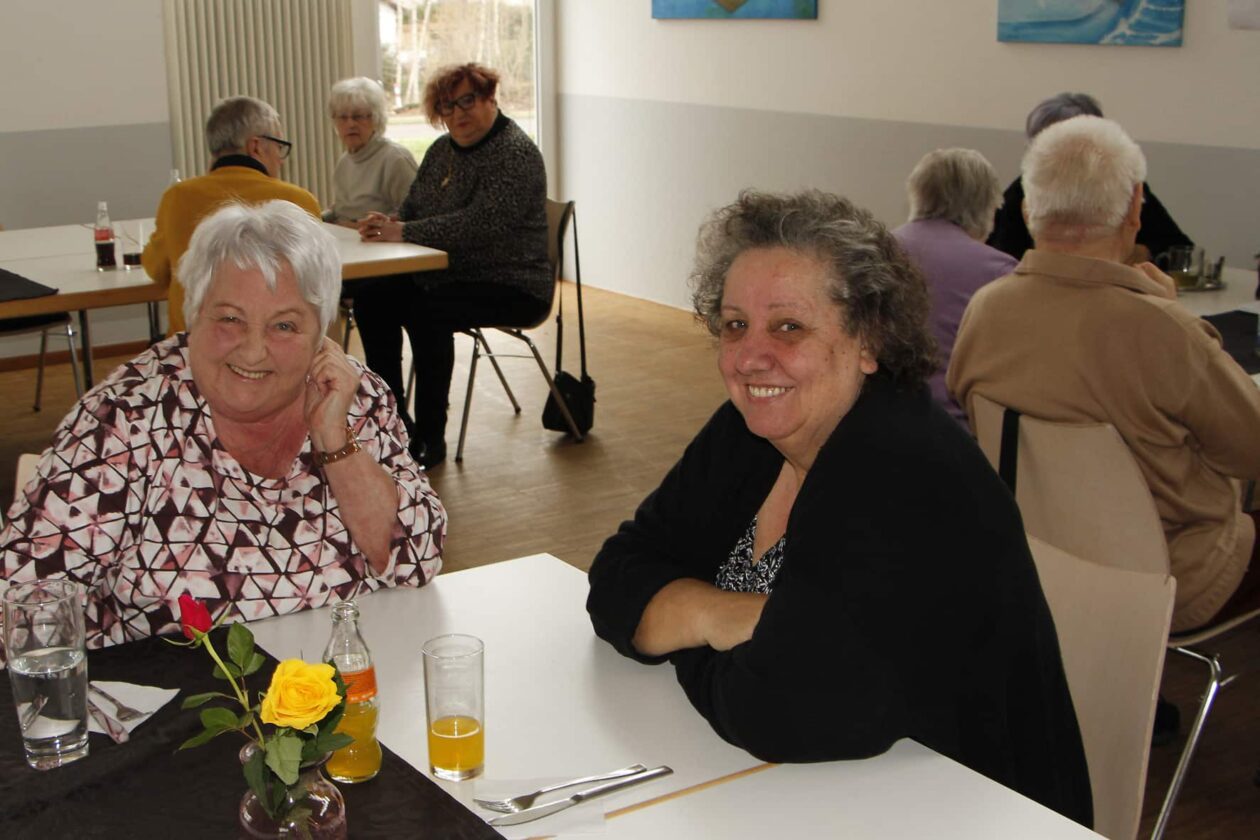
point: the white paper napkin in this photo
(143, 698)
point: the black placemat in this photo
(1238, 332)
(143, 788)
(16, 287)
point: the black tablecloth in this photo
(143, 788)
(1238, 332)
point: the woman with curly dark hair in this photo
(832, 565)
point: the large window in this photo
(419, 36)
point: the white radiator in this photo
(285, 52)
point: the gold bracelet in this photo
(351, 447)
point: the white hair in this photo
(233, 121)
(265, 237)
(958, 186)
(359, 92)
(1081, 172)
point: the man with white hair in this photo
(247, 148)
(1076, 335)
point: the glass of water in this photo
(43, 642)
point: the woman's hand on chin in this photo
(331, 385)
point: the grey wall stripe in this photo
(644, 174)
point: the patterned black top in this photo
(138, 500)
(485, 205)
(740, 574)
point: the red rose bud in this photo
(193, 615)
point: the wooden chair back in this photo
(1113, 626)
(1078, 488)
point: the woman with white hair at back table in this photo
(953, 193)
(375, 173)
(248, 462)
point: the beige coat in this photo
(1077, 339)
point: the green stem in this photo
(241, 697)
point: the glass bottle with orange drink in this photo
(346, 649)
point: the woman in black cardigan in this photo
(832, 565)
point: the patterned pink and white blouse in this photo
(138, 500)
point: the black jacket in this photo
(908, 604)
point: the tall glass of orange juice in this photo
(454, 694)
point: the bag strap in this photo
(1008, 455)
(577, 268)
(560, 294)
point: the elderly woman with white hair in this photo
(1158, 231)
(375, 173)
(953, 193)
(247, 462)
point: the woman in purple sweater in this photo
(953, 193)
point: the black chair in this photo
(41, 324)
(559, 217)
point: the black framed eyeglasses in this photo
(464, 103)
(285, 145)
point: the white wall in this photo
(924, 73)
(916, 61)
(76, 64)
(85, 118)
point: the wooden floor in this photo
(522, 489)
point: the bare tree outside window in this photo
(419, 36)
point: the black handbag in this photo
(578, 394)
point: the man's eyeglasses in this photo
(285, 145)
(464, 103)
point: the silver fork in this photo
(520, 803)
(122, 711)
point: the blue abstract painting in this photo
(1148, 23)
(724, 9)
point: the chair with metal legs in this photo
(1113, 659)
(61, 321)
(559, 217)
(1080, 489)
(345, 309)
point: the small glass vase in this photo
(313, 799)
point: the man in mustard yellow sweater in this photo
(244, 136)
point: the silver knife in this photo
(113, 728)
(549, 808)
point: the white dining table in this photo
(908, 792)
(64, 258)
(561, 703)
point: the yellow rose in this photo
(299, 694)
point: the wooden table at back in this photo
(560, 703)
(64, 258)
